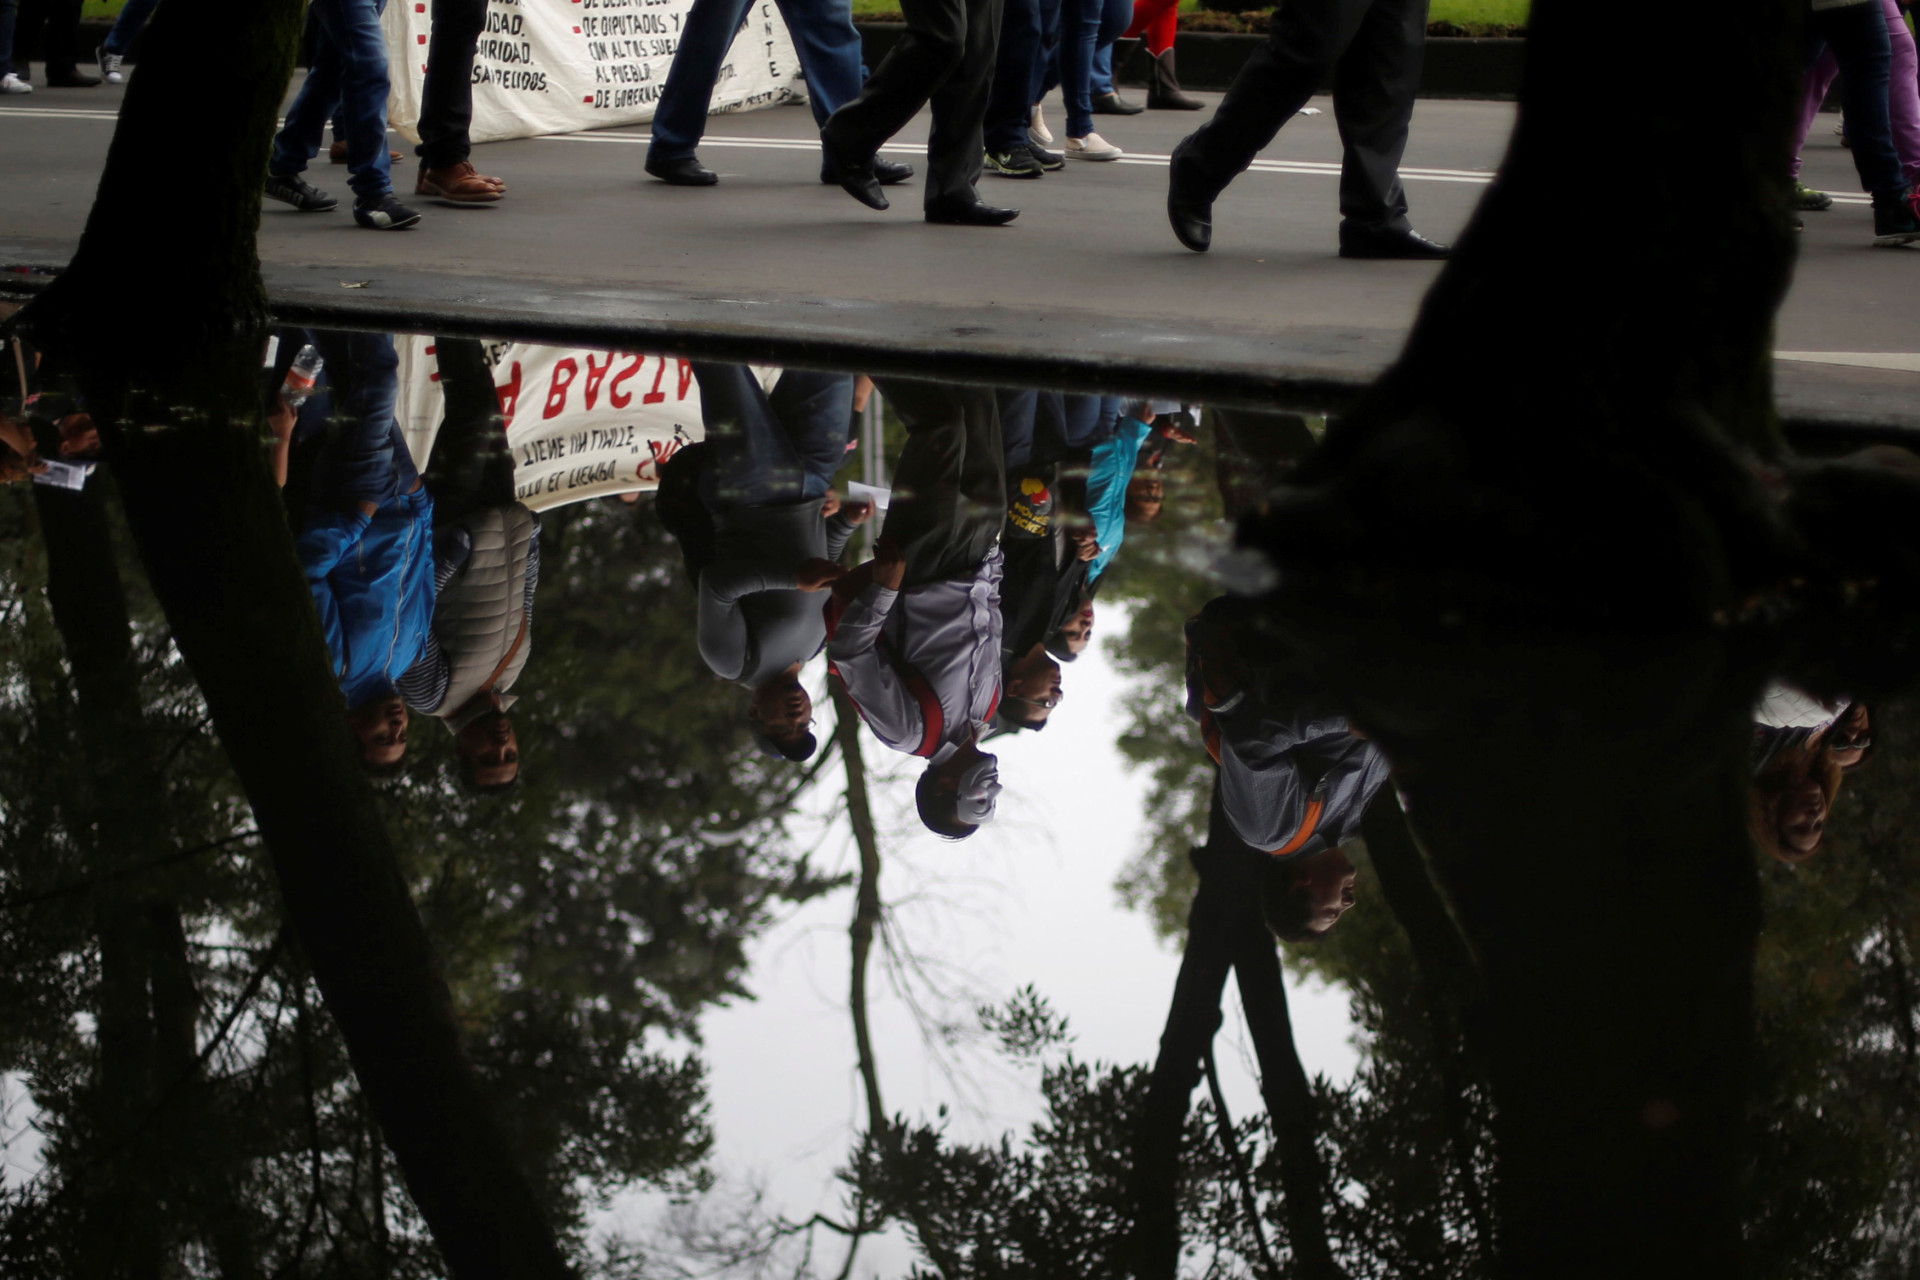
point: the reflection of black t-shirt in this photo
(1041, 589)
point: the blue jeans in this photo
(1085, 27)
(367, 459)
(765, 449)
(7, 9)
(1019, 68)
(1857, 34)
(127, 26)
(1103, 70)
(349, 68)
(823, 35)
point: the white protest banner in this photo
(560, 66)
(582, 423)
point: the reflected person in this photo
(365, 541)
(486, 570)
(1295, 776)
(764, 481)
(915, 632)
(1803, 748)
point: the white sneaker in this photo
(110, 68)
(11, 83)
(1037, 129)
(1092, 147)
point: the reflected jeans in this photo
(366, 458)
(950, 489)
(765, 449)
(349, 68)
(471, 466)
(127, 26)
(823, 35)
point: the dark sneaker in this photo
(1894, 221)
(291, 188)
(1017, 162)
(384, 214)
(1051, 161)
(1807, 200)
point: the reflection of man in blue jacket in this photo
(366, 543)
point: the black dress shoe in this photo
(885, 172)
(687, 171)
(1112, 104)
(1190, 214)
(970, 213)
(1384, 242)
(70, 78)
(855, 175)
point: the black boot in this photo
(1163, 87)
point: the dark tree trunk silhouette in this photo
(1226, 934)
(166, 346)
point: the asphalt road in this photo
(1090, 255)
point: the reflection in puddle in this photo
(618, 582)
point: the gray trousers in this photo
(945, 57)
(1373, 49)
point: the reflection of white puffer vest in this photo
(481, 617)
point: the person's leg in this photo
(955, 144)
(1079, 37)
(1306, 39)
(934, 47)
(471, 466)
(1373, 87)
(829, 47)
(1858, 37)
(300, 137)
(1820, 77)
(132, 18)
(1903, 93)
(815, 410)
(61, 41)
(8, 15)
(929, 518)
(681, 117)
(1157, 21)
(751, 460)
(446, 96)
(1009, 105)
(1019, 417)
(353, 28)
(366, 460)
(1046, 68)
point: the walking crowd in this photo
(985, 67)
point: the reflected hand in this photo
(889, 564)
(830, 504)
(818, 575)
(280, 418)
(1179, 435)
(857, 512)
(1085, 544)
(78, 436)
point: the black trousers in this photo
(446, 99)
(471, 466)
(1374, 50)
(946, 57)
(950, 489)
(60, 47)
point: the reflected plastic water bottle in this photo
(298, 387)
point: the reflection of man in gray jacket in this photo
(487, 567)
(765, 482)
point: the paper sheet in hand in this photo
(857, 492)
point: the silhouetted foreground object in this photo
(1553, 596)
(167, 347)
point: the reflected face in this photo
(1034, 683)
(489, 751)
(1077, 631)
(1328, 881)
(381, 730)
(1144, 496)
(1848, 741)
(783, 709)
(1803, 817)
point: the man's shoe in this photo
(1017, 163)
(1384, 242)
(687, 171)
(70, 77)
(885, 172)
(11, 83)
(1112, 104)
(1092, 147)
(1807, 200)
(1037, 131)
(291, 188)
(337, 154)
(1188, 212)
(1894, 220)
(1051, 161)
(969, 213)
(110, 64)
(856, 175)
(458, 184)
(384, 214)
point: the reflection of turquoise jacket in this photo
(372, 580)
(1107, 477)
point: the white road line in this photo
(1900, 361)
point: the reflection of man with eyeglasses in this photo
(914, 633)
